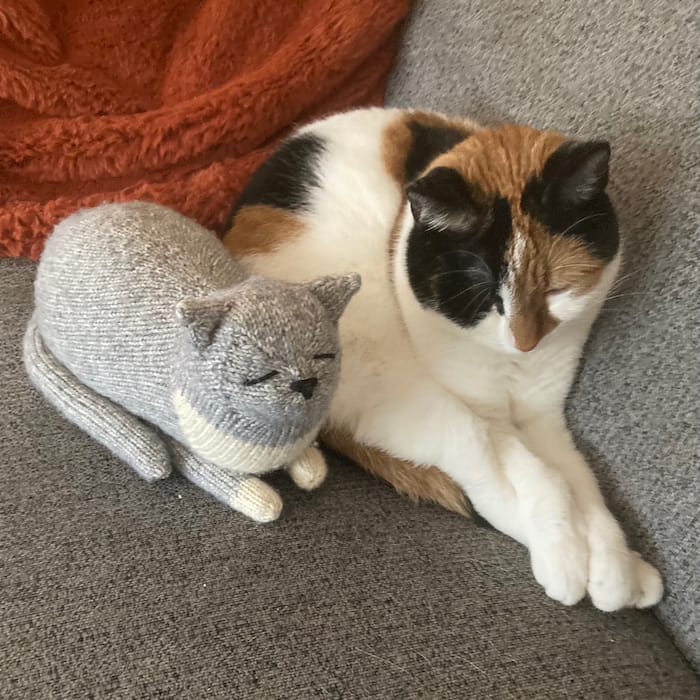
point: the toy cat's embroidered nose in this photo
(305, 386)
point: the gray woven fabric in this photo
(114, 588)
(141, 313)
(629, 73)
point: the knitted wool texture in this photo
(142, 314)
(172, 101)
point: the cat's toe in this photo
(562, 570)
(651, 586)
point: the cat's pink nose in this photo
(305, 387)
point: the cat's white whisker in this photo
(475, 302)
(582, 220)
(465, 291)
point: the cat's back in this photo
(327, 201)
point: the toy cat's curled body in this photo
(486, 254)
(145, 327)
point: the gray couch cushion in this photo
(628, 72)
(111, 587)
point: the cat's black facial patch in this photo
(569, 198)
(428, 142)
(285, 179)
(456, 249)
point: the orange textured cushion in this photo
(174, 101)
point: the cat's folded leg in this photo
(515, 491)
(421, 422)
(557, 535)
(309, 470)
(618, 576)
(130, 439)
(244, 493)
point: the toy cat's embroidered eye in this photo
(259, 380)
(325, 356)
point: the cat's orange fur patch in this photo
(572, 265)
(500, 160)
(260, 228)
(397, 138)
(418, 483)
(396, 143)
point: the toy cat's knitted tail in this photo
(123, 434)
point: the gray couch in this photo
(110, 587)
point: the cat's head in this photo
(265, 349)
(513, 227)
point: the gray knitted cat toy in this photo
(151, 338)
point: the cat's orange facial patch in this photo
(259, 228)
(541, 264)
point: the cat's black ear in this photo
(577, 172)
(442, 200)
(202, 317)
(335, 293)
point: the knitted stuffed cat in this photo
(151, 338)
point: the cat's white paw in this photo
(309, 471)
(620, 578)
(560, 566)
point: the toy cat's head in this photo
(263, 356)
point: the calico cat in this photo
(486, 254)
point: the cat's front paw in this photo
(560, 566)
(620, 578)
(309, 471)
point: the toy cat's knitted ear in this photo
(201, 317)
(335, 292)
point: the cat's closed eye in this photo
(557, 290)
(325, 356)
(259, 380)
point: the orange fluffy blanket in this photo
(174, 101)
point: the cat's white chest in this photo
(501, 385)
(481, 376)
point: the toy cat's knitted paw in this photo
(309, 471)
(242, 492)
(256, 499)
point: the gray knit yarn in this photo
(145, 325)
